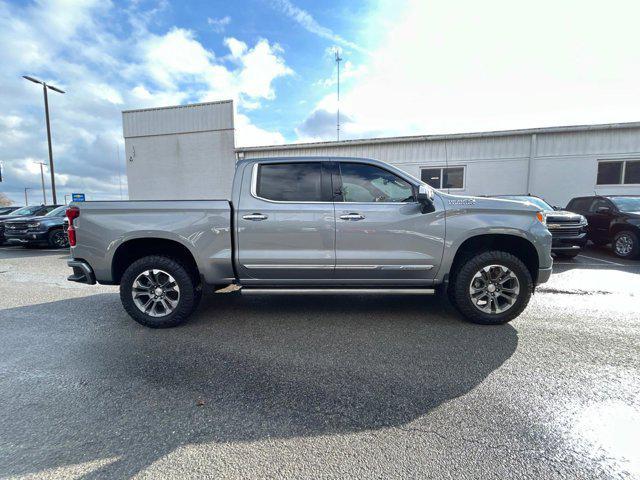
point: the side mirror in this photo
(425, 194)
(603, 210)
(425, 198)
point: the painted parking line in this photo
(601, 260)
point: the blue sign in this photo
(77, 197)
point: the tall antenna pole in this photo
(338, 60)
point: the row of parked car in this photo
(602, 219)
(36, 225)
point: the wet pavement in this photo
(322, 387)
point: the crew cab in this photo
(313, 226)
(612, 219)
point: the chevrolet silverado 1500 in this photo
(310, 226)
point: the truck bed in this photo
(201, 226)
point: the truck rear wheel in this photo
(492, 288)
(158, 291)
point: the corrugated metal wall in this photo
(201, 117)
(562, 164)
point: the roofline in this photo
(177, 106)
(450, 136)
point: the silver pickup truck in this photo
(313, 225)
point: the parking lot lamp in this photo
(45, 87)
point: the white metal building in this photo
(183, 152)
(555, 163)
(188, 152)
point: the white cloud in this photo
(306, 21)
(105, 70)
(249, 135)
(468, 66)
(219, 24)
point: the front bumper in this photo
(25, 237)
(565, 243)
(543, 275)
(82, 272)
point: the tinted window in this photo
(580, 204)
(366, 183)
(290, 182)
(627, 204)
(599, 202)
(431, 176)
(609, 173)
(58, 212)
(452, 177)
(632, 172)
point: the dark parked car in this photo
(568, 229)
(41, 230)
(23, 212)
(8, 210)
(612, 219)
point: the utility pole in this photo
(45, 87)
(26, 196)
(338, 60)
(44, 194)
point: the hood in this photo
(453, 202)
(632, 214)
(25, 218)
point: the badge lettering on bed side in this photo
(463, 201)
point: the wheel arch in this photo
(516, 245)
(136, 248)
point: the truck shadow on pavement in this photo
(83, 382)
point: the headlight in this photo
(542, 217)
(34, 225)
(583, 221)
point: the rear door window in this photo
(290, 182)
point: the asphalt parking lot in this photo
(322, 387)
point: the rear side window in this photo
(290, 182)
(580, 204)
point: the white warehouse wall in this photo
(555, 163)
(182, 152)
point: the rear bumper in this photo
(82, 272)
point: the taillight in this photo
(72, 213)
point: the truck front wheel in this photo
(491, 288)
(158, 291)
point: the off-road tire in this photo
(184, 279)
(635, 244)
(462, 279)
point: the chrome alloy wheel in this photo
(494, 289)
(624, 245)
(155, 293)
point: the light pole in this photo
(26, 196)
(46, 113)
(44, 193)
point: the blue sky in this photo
(410, 67)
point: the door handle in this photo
(255, 217)
(352, 216)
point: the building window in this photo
(622, 172)
(443, 177)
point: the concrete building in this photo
(184, 152)
(188, 152)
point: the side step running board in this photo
(337, 291)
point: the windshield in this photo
(25, 211)
(627, 204)
(57, 212)
(538, 202)
(4, 211)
